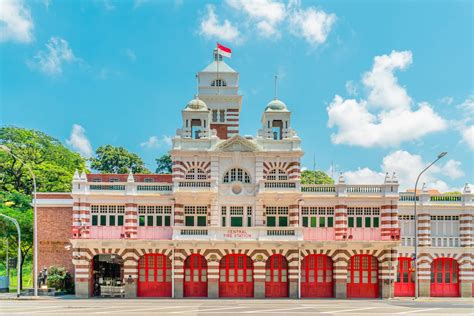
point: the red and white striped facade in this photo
(237, 204)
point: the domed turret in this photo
(276, 105)
(196, 105)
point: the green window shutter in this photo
(359, 221)
(120, 220)
(94, 220)
(236, 222)
(249, 221)
(282, 221)
(149, 220)
(367, 222)
(168, 220)
(103, 220)
(111, 220)
(351, 222)
(330, 221)
(376, 222)
(141, 220)
(322, 222)
(189, 221)
(223, 221)
(271, 221)
(314, 222)
(201, 221)
(159, 220)
(305, 221)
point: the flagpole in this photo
(217, 81)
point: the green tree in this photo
(52, 163)
(165, 165)
(315, 177)
(110, 159)
(18, 206)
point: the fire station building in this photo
(234, 220)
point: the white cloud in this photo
(312, 24)
(386, 118)
(79, 142)
(447, 100)
(467, 134)
(130, 54)
(211, 28)
(16, 23)
(407, 167)
(156, 142)
(351, 88)
(51, 60)
(468, 105)
(267, 14)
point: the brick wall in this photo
(54, 232)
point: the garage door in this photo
(316, 276)
(445, 277)
(195, 276)
(405, 284)
(236, 276)
(154, 276)
(276, 276)
(362, 278)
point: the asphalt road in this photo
(235, 307)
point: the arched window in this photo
(277, 174)
(218, 83)
(236, 174)
(196, 174)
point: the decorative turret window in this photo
(277, 174)
(236, 174)
(196, 174)
(218, 83)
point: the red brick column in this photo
(131, 220)
(179, 215)
(294, 215)
(388, 220)
(340, 227)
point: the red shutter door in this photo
(236, 276)
(316, 276)
(445, 277)
(405, 284)
(195, 276)
(276, 276)
(154, 276)
(362, 278)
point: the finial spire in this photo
(197, 87)
(276, 79)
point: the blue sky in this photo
(374, 86)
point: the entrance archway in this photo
(107, 275)
(236, 276)
(276, 276)
(316, 276)
(405, 284)
(445, 277)
(362, 279)
(154, 276)
(195, 276)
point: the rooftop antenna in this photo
(197, 86)
(276, 79)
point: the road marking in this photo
(418, 311)
(347, 310)
(206, 310)
(275, 310)
(136, 309)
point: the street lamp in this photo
(441, 155)
(18, 274)
(35, 230)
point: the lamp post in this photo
(441, 155)
(18, 261)
(35, 229)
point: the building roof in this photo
(223, 67)
(276, 106)
(196, 105)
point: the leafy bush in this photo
(60, 279)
